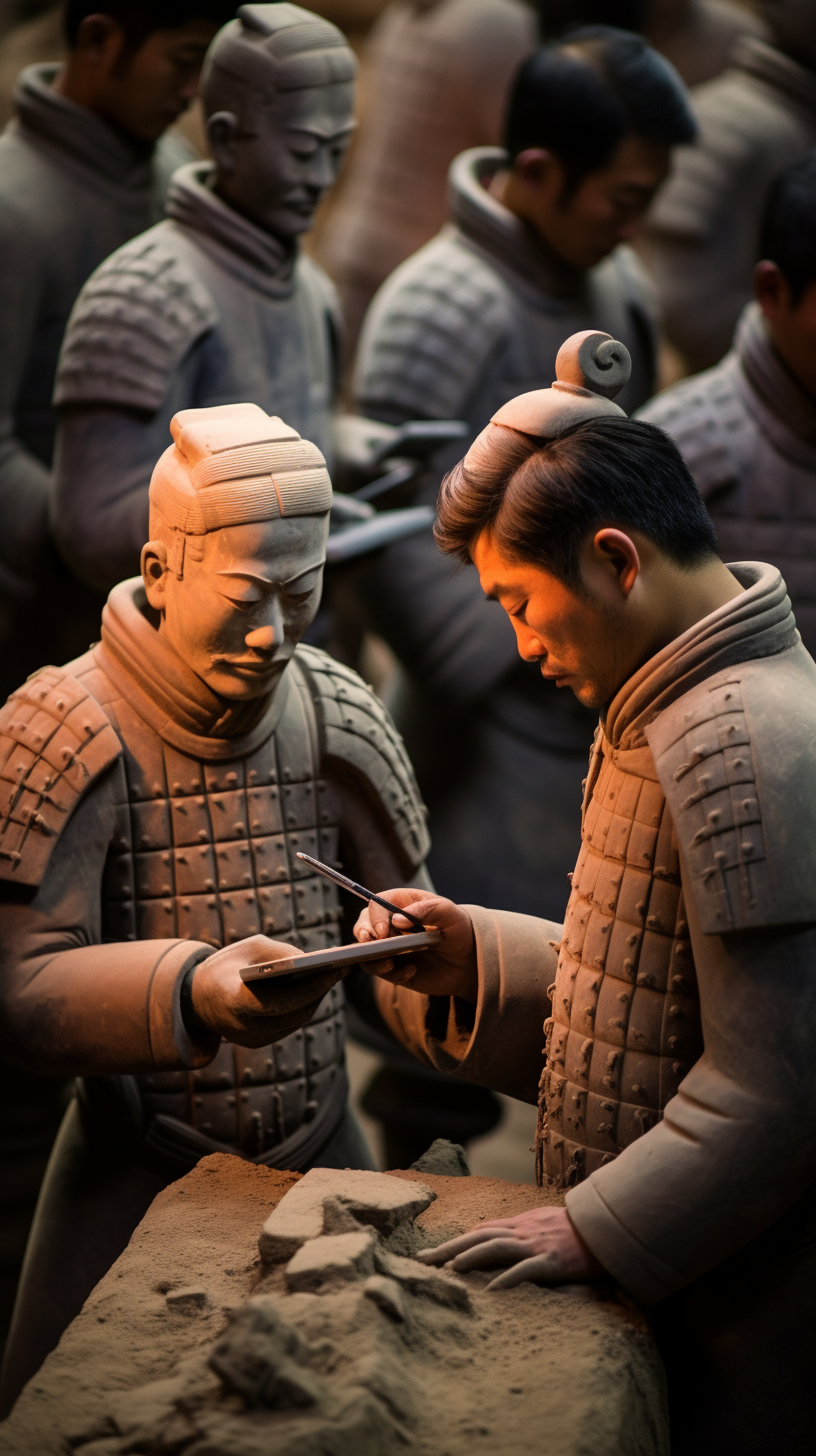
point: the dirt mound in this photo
(192, 1346)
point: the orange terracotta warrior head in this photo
(239, 513)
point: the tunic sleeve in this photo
(499, 1041)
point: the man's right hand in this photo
(446, 969)
(254, 1014)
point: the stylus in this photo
(356, 889)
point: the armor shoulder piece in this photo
(428, 332)
(735, 759)
(708, 421)
(131, 326)
(55, 740)
(356, 730)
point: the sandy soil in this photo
(563, 1372)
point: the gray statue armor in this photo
(702, 234)
(747, 432)
(204, 309)
(210, 307)
(506, 304)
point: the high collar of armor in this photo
(757, 623)
(82, 139)
(509, 242)
(168, 695)
(239, 245)
(782, 408)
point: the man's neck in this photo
(684, 598)
(501, 186)
(72, 83)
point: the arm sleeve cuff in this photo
(498, 1042)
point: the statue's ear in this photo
(223, 128)
(155, 573)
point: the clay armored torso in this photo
(206, 851)
(202, 834)
(625, 1024)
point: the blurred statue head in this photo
(278, 91)
(793, 24)
(239, 513)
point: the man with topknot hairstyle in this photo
(216, 304)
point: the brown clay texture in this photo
(365, 1368)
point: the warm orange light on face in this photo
(576, 638)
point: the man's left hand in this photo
(541, 1245)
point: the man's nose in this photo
(529, 646)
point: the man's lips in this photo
(252, 664)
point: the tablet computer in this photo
(342, 956)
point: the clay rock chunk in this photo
(368, 1199)
(330, 1260)
(444, 1157)
(418, 1279)
(262, 1358)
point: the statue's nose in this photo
(262, 639)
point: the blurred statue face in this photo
(276, 168)
(237, 615)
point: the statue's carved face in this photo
(276, 165)
(237, 614)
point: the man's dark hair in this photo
(139, 19)
(540, 500)
(788, 231)
(555, 17)
(582, 105)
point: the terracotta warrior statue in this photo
(215, 304)
(747, 428)
(677, 1097)
(701, 237)
(155, 792)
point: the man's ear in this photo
(100, 40)
(539, 168)
(771, 289)
(155, 573)
(222, 132)
(617, 552)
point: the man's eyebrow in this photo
(266, 584)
